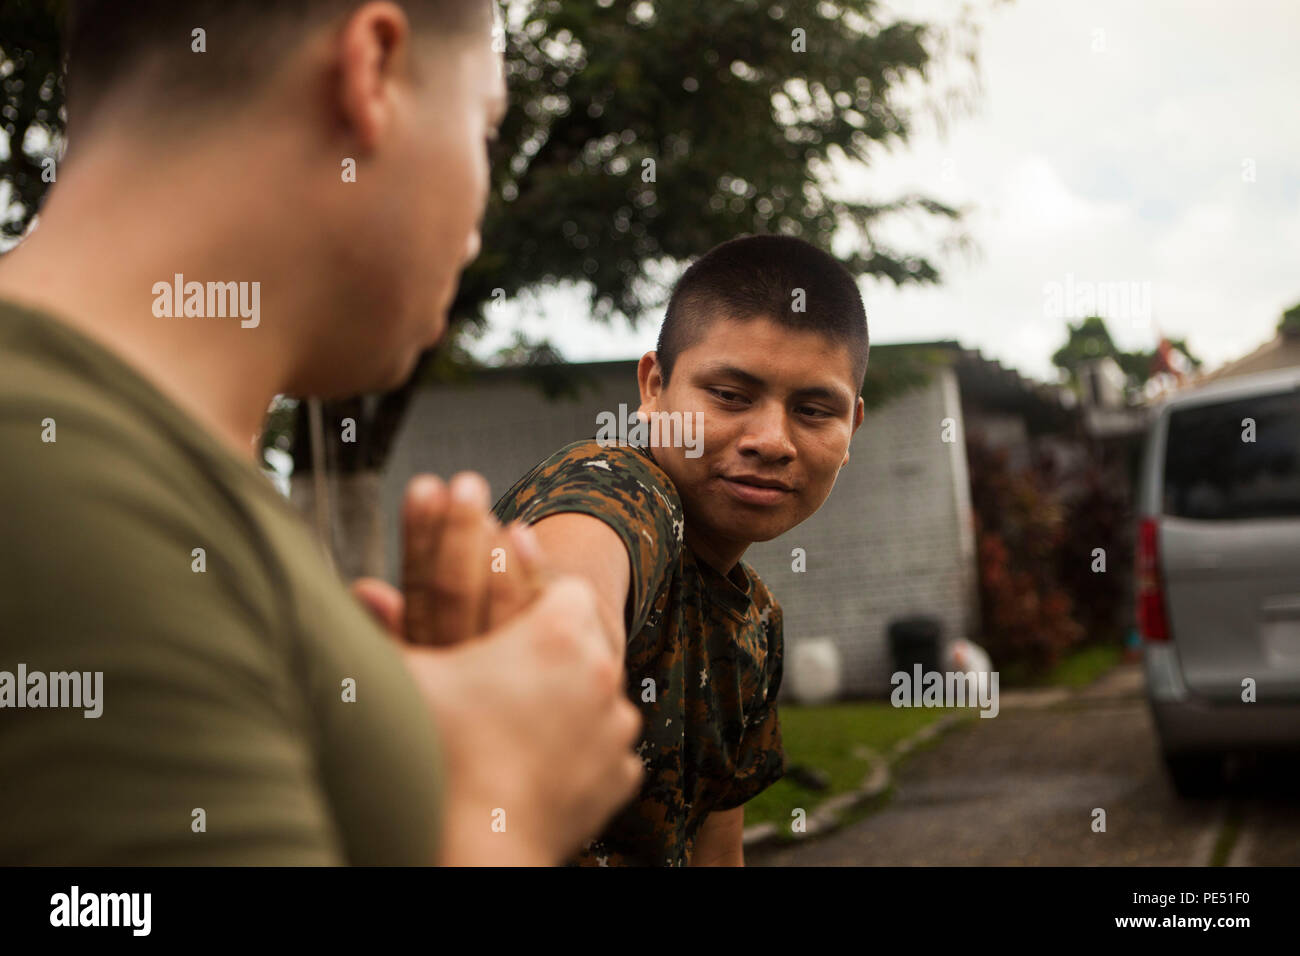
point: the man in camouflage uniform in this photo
(660, 531)
(704, 659)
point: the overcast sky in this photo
(1154, 144)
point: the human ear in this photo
(372, 51)
(649, 376)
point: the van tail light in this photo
(1153, 623)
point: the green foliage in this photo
(1098, 515)
(544, 367)
(1080, 668)
(1289, 324)
(895, 369)
(1090, 339)
(278, 433)
(739, 126)
(1026, 616)
(32, 113)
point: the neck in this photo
(120, 221)
(721, 556)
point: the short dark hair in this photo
(110, 41)
(761, 277)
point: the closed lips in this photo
(759, 482)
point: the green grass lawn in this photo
(825, 738)
(1084, 666)
(1076, 669)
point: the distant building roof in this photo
(1281, 351)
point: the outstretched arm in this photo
(584, 546)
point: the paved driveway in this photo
(1021, 789)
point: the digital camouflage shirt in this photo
(703, 654)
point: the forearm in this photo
(721, 840)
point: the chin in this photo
(764, 532)
(400, 372)
(385, 378)
(754, 526)
(439, 328)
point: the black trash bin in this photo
(916, 640)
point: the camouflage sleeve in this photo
(761, 760)
(623, 488)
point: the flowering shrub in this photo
(1026, 616)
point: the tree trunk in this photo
(353, 467)
(355, 519)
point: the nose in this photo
(767, 435)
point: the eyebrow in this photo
(835, 396)
(732, 371)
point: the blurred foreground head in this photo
(350, 135)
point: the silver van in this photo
(1218, 573)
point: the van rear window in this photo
(1214, 471)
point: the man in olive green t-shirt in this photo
(139, 549)
(246, 709)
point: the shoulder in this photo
(617, 462)
(616, 474)
(622, 487)
(123, 513)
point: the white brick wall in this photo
(496, 426)
(893, 539)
